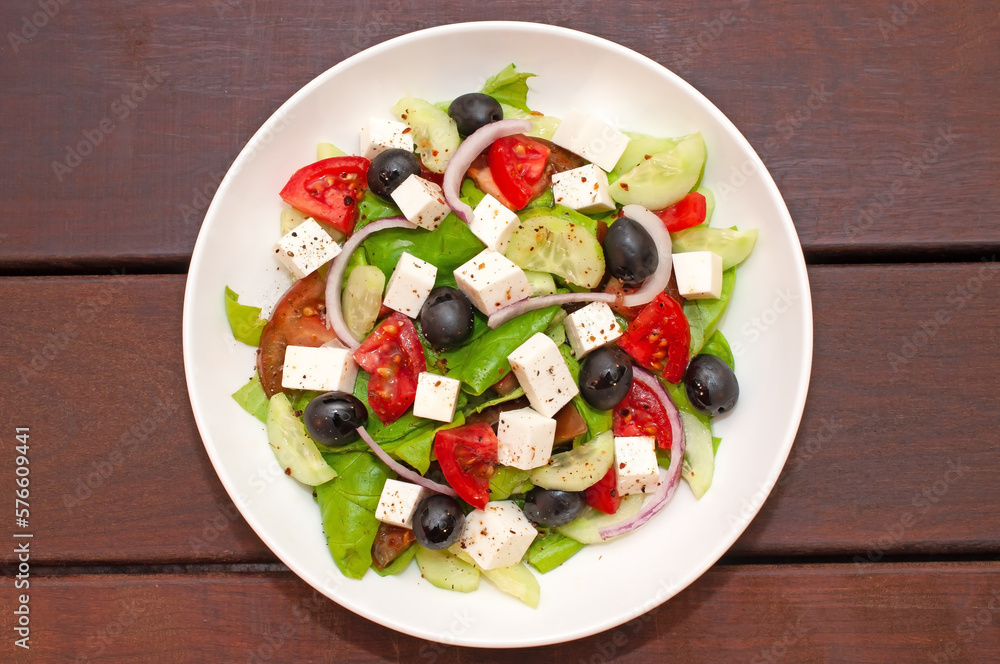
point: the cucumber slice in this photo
(543, 126)
(709, 204)
(663, 179)
(435, 134)
(733, 246)
(557, 245)
(586, 527)
(446, 571)
(516, 580)
(362, 299)
(328, 151)
(541, 283)
(579, 468)
(290, 219)
(699, 455)
(292, 446)
(639, 147)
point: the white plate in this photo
(769, 324)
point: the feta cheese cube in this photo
(542, 372)
(380, 135)
(584, 189)
(398, 501)
(421, 201)
(591, 327)
(492, 281)
(699, 274)
(325, 369)
(592, 139)
(525, 438)
(493, 223)
(410, 284)
(436, 397)
(497, 536)
(636, 470)
(306, 247)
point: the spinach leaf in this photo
(551, 550)
(372, 208)
(244, 320)
(347, 504)
(447, 247)
(509, 87)
(718, 345)
(398, 565)
(252, 399)
(471, 194)
(598, 421)
(483, 362)
(703, 315)
(678, 394)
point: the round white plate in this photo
(768, 323)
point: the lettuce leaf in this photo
(509, 87)
(244, 320)
(252, 399)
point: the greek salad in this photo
(501, 344)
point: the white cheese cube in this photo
(592, 139)
(305, 248)
(636, 470)
(493, 223)
(542, 372)
(379, 135)
(421, 202)
(492, 281)
(410, 284)
(497, 536)
(436, 397)
(525, 438)
(591, 327)
(326, 369)
(584, 189)
(398, 501)
(699, 274)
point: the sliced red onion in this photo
(669, 477)
(656, 282)
(504, 314)
(334, 312)
(467, 152)
(402, 470)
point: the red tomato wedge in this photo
(660, 338)
(686, 213)
(517, 164)
(298, 320)
(604, 496)
(468, 458)
(642, 414)
(392, 354)
(329, 189)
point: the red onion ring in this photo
(402, 470)
(669, 477)
(467, 152)
(656, 282)
(334, 280)
(504, 314)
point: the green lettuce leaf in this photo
(244, 320)
(718, 345)
(509, 87)
(398, 565)
(372, 208)
(447, 247)
(252, 399)
(507, 480)
(598, 421)
(703, 315)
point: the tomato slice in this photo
(517, 164)
(392, 354)
(641, 414)
(299, 319)
(390, 543)
(468, 458)
(660, 338)
(686, 213)
(329, 189)
(604, 496)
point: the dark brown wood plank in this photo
(96, 361)
(817, 613)
(877, 124)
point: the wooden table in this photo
(878, 121)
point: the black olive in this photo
(605, 377)
(711, 385)
(629, 251)
(473, 111)
(389, 169)
(446, 318)
(333, 418)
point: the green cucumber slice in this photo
(361, 299)
(435, 134)
(733, 246)
(292, 446)
(578, 468)
(699, 455)
(586, 527)
(445, 570)
(663, 179)
(557, 245)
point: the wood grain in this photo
(122, 477)
(793, 613)
(876, 124)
